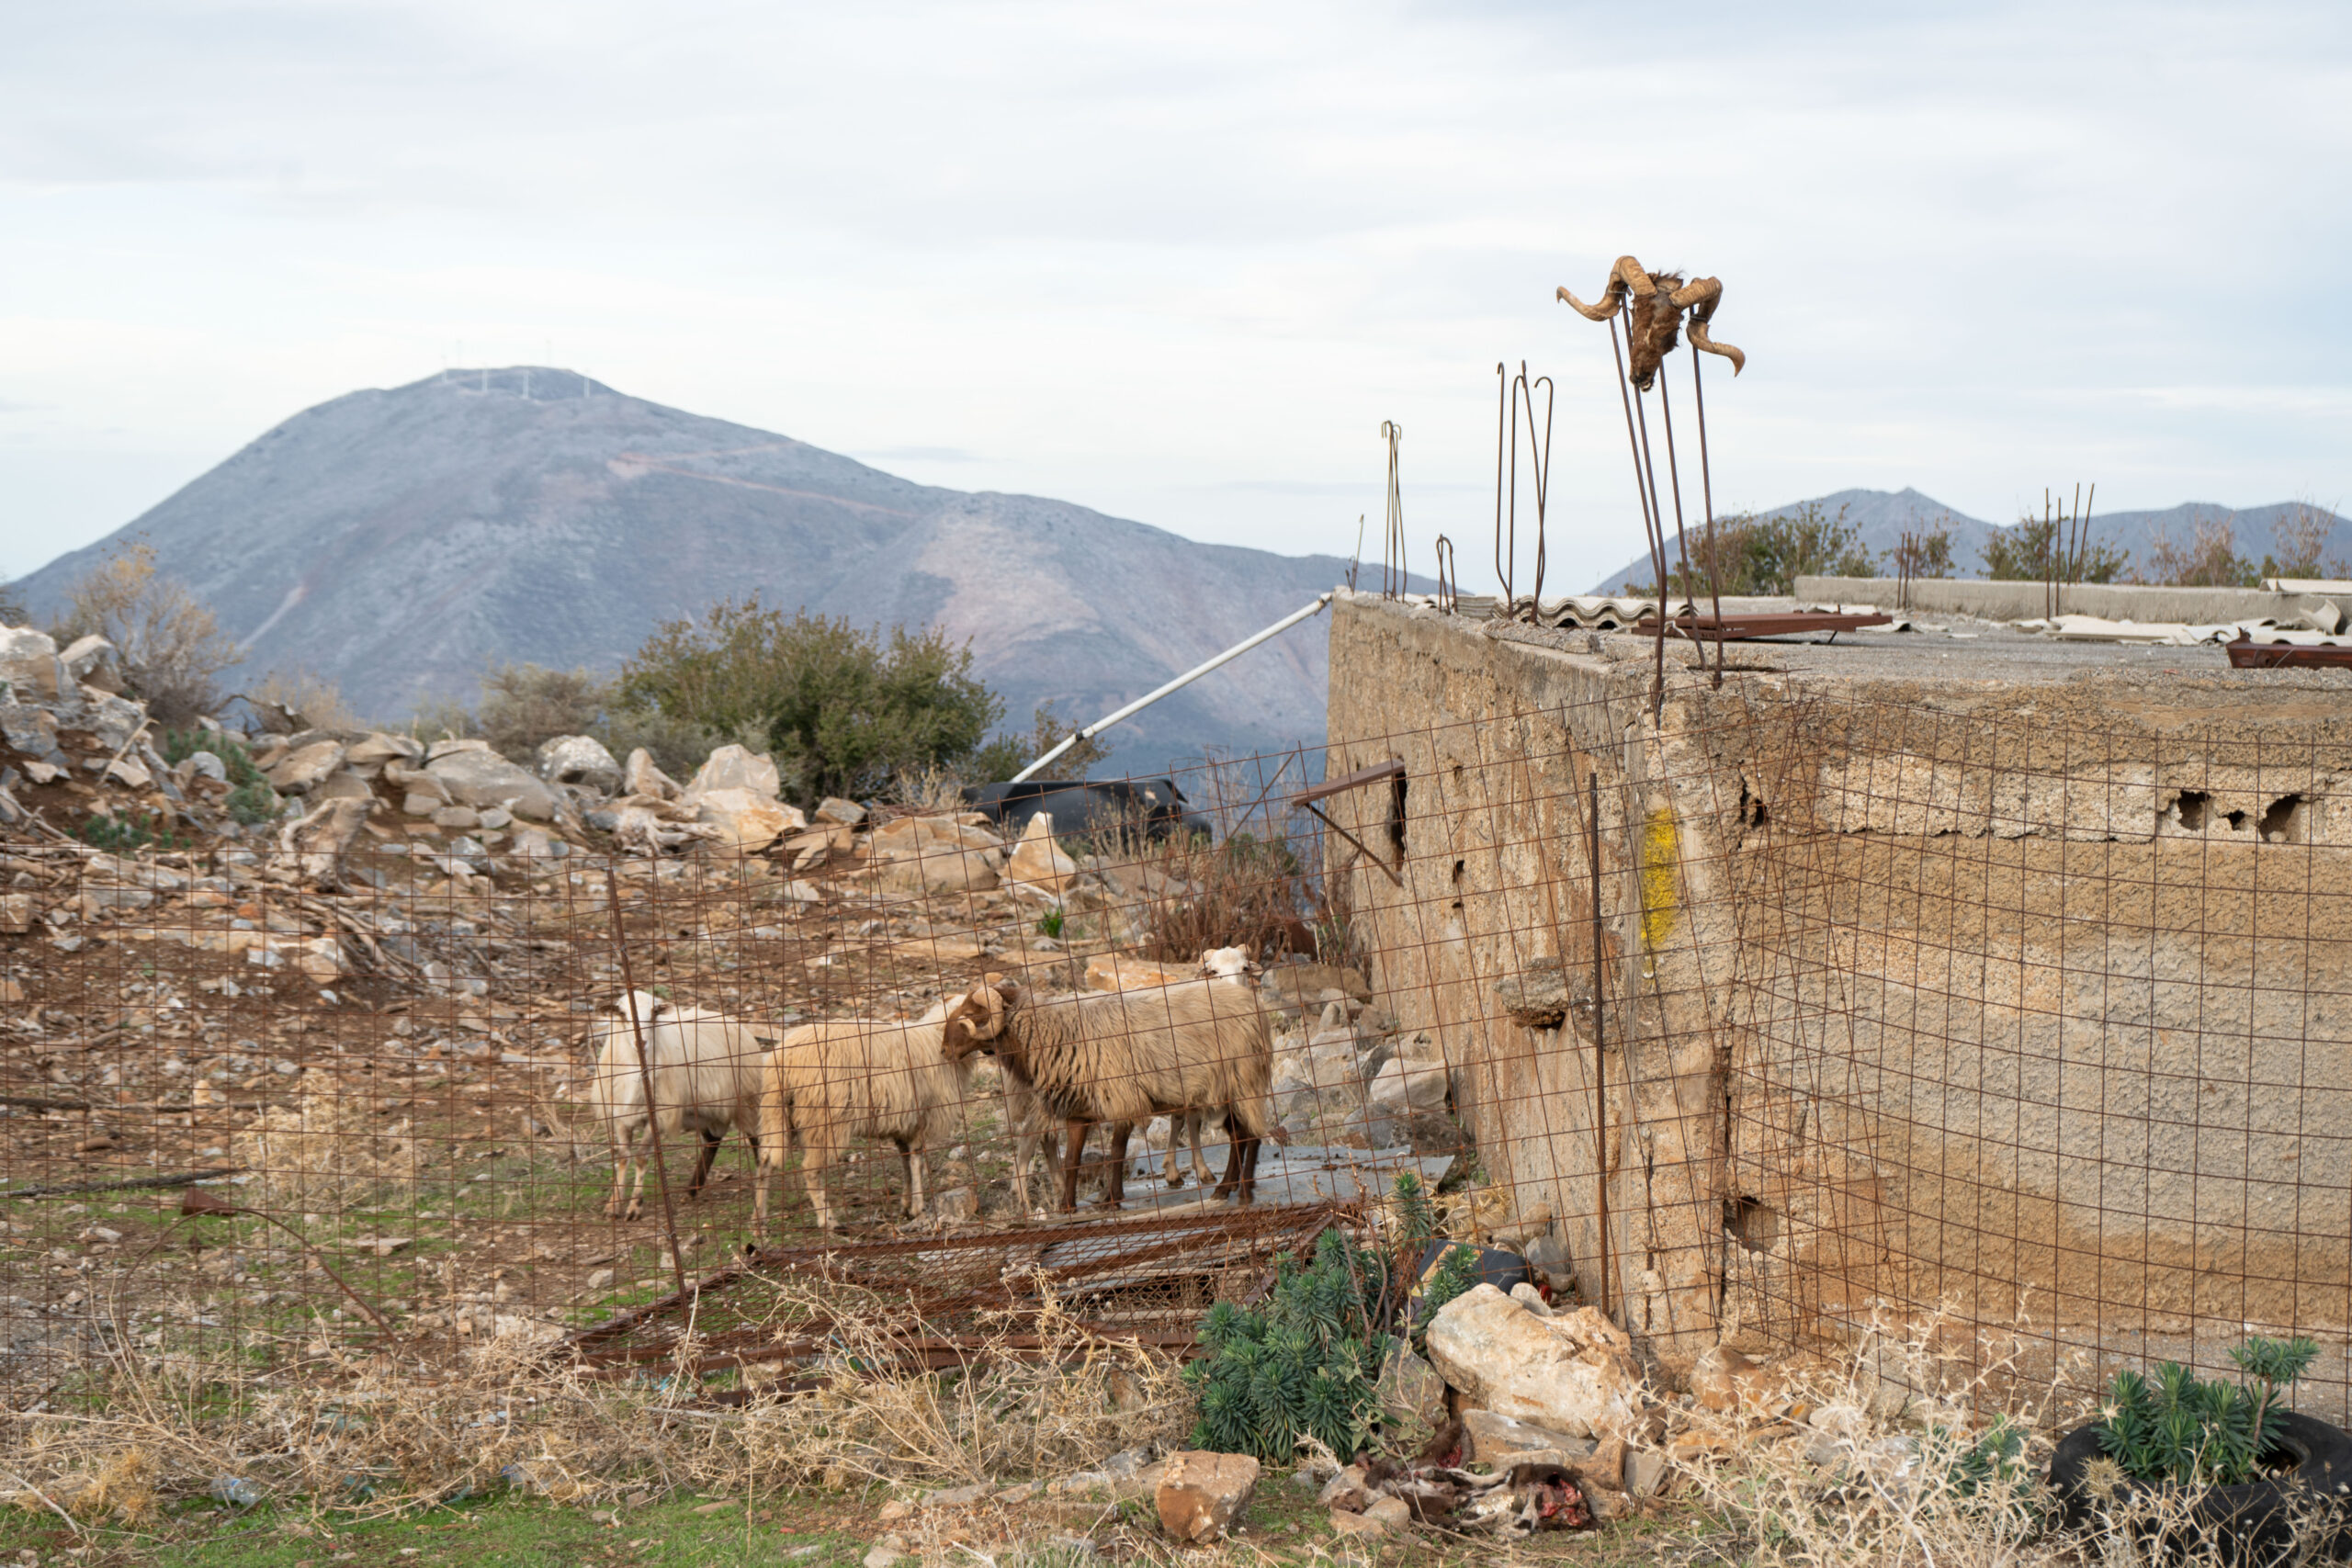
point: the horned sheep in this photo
(845, 1078)
(1122, 1057)
(706, 1073)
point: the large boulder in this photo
(305, 768)
(1200, 1494)
(733, 767)
(579, 759)
(1574, 1372)
(643, 778)
(472, 774)
(746, 819)
(310, 849)
(938, 854)
(1402, 1086)
(1037, 863)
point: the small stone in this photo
(600, 1279)
(1531, 1298)
(894, 1510)
(459, 816)
(1361, 1525)
(1345, 1490)
(1018, 1494)
(960, 1496)
(1489, 1437)
(1645, 1472)
(1200, 1494)
(1723, 1379)
(845, 813)
(883, 1555)
(1390, 1513)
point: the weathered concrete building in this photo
(1939, 969)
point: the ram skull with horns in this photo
(1660, 299)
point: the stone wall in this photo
(2019, 995)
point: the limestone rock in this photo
(642, 777)
(379, 748)
(1410, 1390)
(345, 785)
(733, 767)
(1531, 1298)
(462, 818)
(1200, 1494)
(840, 812)
(1363, 1525)
(310, 848)
(1574, 1372)
(1345, 1490)
(647, 827)
(1490, 1436)
(579, 759)
(1039, 863)
(1389, 1513)
(476, 777)
(747, 820)
(202, 764)
(1723, 1379)
(1297, 987)
(303, 768)
(1405, 1085)
(30, 731)
(1116, 972)
(937, 855)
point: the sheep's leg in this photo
(1073, 1151)
(813, 1174)
(1237, 1147)
(1114, 1190)
(637, 1189)
(623, 1150)
(912, 1165)
(1177, 1125)
(703, 1161)
(1200, 1160)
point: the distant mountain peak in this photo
(399, 540)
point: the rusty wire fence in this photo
(1762, 1026)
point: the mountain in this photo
(1881, 517)
(397, 542)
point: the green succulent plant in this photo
(2174, 1429)
(1303, 1365)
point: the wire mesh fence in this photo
(1757, 1025)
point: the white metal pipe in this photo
(1186, 679)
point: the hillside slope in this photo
(398, 541)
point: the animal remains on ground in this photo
(833, 1083)
(1124, 1056)
(706, 1069)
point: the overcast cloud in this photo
(1178, 264)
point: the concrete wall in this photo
(2027, 600)
(2012, 995)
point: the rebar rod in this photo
(1707, 496)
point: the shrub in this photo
(842, 709)
(2211, 560)
(525, 706)
(318, 700)
(2183, 1432)
(2022, 554)
(1006, 755)
(12, 605)
(1767, 555)
(250, 798)
(133, 830)
(1303, 1366)
(2300, 534)
(170, 644)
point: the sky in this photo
(1180, 262)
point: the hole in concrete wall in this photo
(1397, 816)
(2191, 807)
(1460, 866)
(1750, 1222)
(2236, 819)
(2282, 822)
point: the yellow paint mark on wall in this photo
(1660, 850)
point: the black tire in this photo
(2251, 1523)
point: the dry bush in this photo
(1076, 1403)
(2300, 534)
(2210, 561)
(170, 644)
(525, 705)
(1902, 1460)
(316, 698)
(928, 790)
(324, 1151)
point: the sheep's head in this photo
(1658, 300)
(1225, 962)
(643, 1005)
(977, 1017)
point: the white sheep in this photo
(829, 1083)
(705, 1070)
(1233, 965)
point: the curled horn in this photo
(1626, 276)
(1701, 296)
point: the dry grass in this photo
(375, 1435)
(326, 1151)
(1880, 1474)
(1065, 1407)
